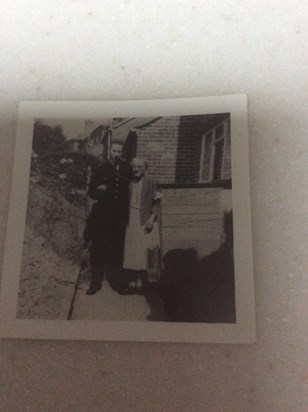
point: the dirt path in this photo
(109, 305)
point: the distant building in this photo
(96, 142)
(93, 140)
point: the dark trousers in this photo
(107, 256)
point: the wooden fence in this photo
(192, 217)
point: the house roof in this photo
(122, 128)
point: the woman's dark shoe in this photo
(131, 290)
(140, 290)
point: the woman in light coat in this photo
(142, 239)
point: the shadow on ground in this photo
(194, 290)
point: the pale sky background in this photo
(73, 127)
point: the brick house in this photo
(179, 149)
(187, 149)
(190, 157)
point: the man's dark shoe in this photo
(92, 291)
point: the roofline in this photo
(122, 123)
(148, 122)
(135, 127)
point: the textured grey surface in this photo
(133, 49)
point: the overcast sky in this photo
(73, 127)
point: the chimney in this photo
(88, 128)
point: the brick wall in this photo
(157, 144)
(172, 147)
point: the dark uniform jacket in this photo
(111, 207)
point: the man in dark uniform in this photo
(108, 219)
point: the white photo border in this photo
(243, 331)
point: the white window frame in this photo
(213, 151)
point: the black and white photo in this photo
(130, 221)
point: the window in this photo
(213, 151)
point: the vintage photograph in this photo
(130, 220)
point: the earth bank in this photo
(55, 221)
